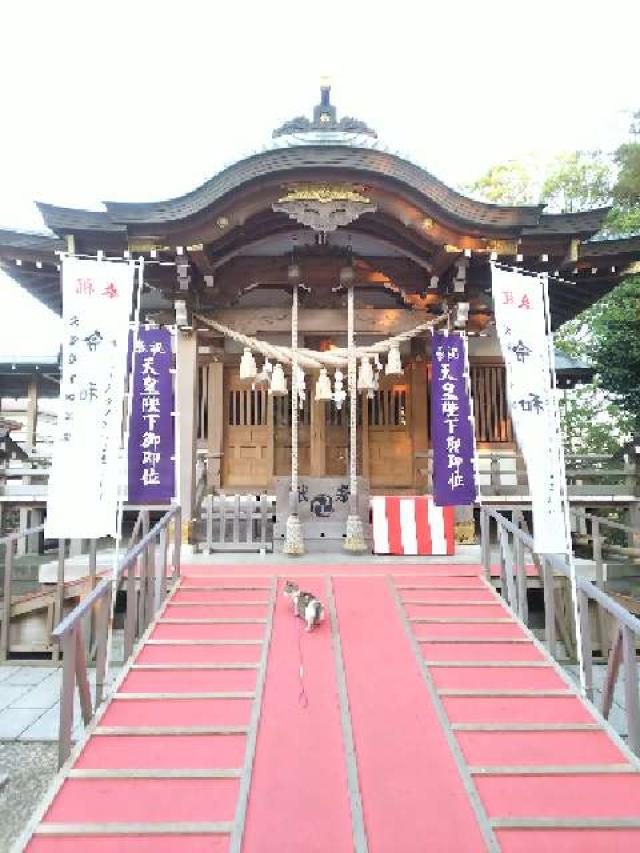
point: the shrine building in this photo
(326, 204)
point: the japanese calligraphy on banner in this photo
(83, 484)
(452, 433)
(151, 434)
(519, 306)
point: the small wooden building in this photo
(325, 193)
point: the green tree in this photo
(577, 181)
(568, 183)
(623, 221)
(599, 416)
(625, 216)
(626, 191)
(514, 182)
(616, 345)
(592, 420)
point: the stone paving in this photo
(30, 702)
(617, 715)
(29, 768)
(30, 698)
(29, 719)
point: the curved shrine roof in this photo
(362, 164)
(330, 149)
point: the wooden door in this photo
(282, 435)
(337, 438)
(390, 441)
(247, 456)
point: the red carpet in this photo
(299, 798)
(413, 796)
(422, 747)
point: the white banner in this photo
(83, 486)
(519, 308)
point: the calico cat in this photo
(305, 604)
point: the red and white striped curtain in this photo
(411, 526)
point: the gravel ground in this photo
(30, 768)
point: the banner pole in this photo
(472, 415)
(124, 438)
(564, 493)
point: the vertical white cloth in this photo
(519, 308)
(83, 485)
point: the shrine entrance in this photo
(388, 432)
(257, 435)
(247, 461)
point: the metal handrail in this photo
(626, 625)
(101, 587)
(18, 534)
(146, 592)
(136, 528)
(10, 543)
(620, 613)
(607, 522)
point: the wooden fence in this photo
(238, 522)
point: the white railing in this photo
(514, 547)
(143, 574)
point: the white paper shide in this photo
(83, 486)
(519, 307)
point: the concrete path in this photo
(30, 702)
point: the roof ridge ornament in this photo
(324, 207)
(325, 120)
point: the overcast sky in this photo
(145, 100)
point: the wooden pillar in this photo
(30, 442)
(364, 434)
(186, 403)
(352, 375)
(318, 448)
(270, 453)
(32, 414)
(215, 414)
(419, 378)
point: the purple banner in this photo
(151, 435)
(451, 427)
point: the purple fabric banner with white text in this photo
(151, 433)
(452, 434)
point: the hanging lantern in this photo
(248, 368)
(365, 375)
(394, 363)
(339, 394)
(278, 387)
(323, 386)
